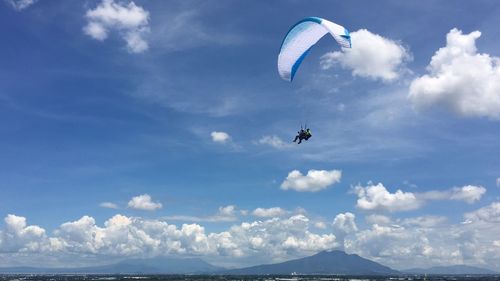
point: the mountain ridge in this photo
(322, 263)
(161, 265)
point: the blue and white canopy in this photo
(300, 39)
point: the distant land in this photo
(322, 263)
(454, 269)
(162, 265)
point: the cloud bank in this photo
(413, 241)
(123, 236)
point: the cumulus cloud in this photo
(432, 240)
(391, 243)
(490, 213)
(220, 137)
(269, 212)
(413, 241)
(372, 56)
(377, 197)
(468, 194)
(274, 141)
(20, 237)
(129, 20)
(460, 79)
(20, 5)
(281, 237)
(226, 213)
(143, 202)
(320, 224)
(123, 236)
(378, 219)
(344, 224)
(108, 205)
(424, 221)
(315, 180)
(129, 236)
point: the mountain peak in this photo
(324, 262)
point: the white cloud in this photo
(378, 219)
(431, 241)
(129, 236)
(371, 56)
(130, 21)
(415, 241)
(345, 223)
(460, 79)
(143, 202)
(490, 213)
(278, 238)
(229, 210)
(108, 205)
(274, 141)
(468, 194)
(320, 225)
(268, 213)
(226, 213)
(391, 244)
(315, 180)
(20, 237)
(220, 137)
(377, 197)
(425, 221)
(122, 236)
(20, 5)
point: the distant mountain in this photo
(454, 269)
(326, 262)
(161, 265)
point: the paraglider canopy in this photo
(300, 39)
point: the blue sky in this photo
(179, 105)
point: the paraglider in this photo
(303, 135)
(298, 42)
(302, 37)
